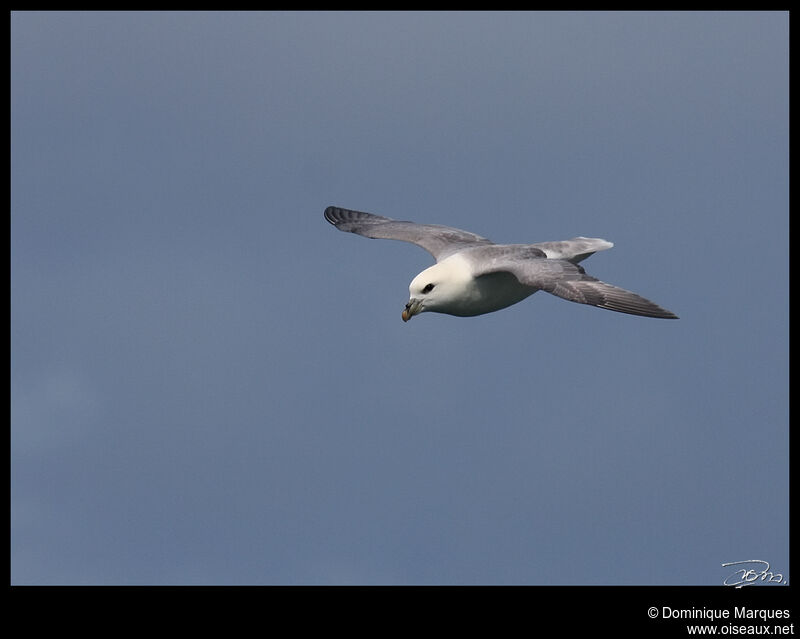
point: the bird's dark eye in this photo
(428, 288)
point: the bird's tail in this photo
(574, 250)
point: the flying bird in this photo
(473, 275)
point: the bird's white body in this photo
(457, 292)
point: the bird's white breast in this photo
(468, 295)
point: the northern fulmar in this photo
(473, 275)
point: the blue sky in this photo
(211, 385)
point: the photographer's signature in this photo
(750, 572)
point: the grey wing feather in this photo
(596, 293)
(439, 241)
(570, 282)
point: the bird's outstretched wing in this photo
(568, 280)
(439, 241)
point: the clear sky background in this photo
(212, 385)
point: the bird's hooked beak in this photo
(413, 307)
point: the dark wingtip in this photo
(337, 215)
(330, 214)
(663, 313)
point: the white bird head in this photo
(439, 288)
